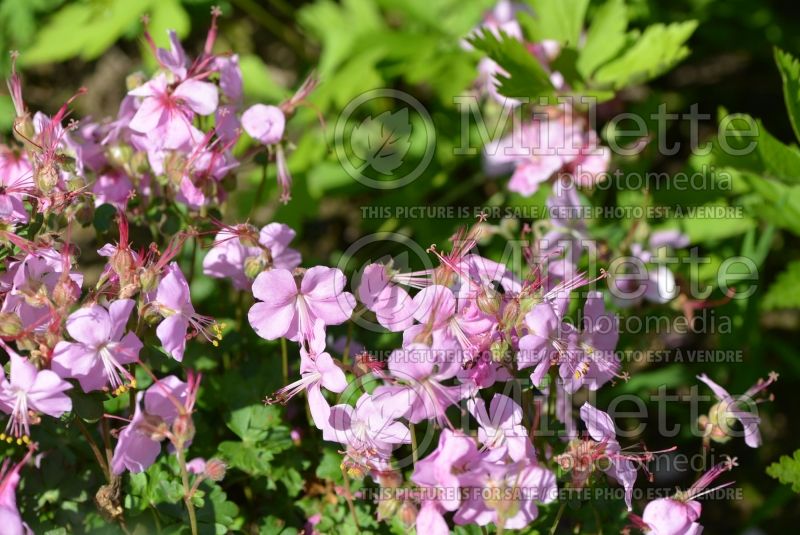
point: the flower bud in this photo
(148, 279)
(122, 263)
(119, 155)
(10, 324)
(511, 314)
(153, 426)
(499, 350)
(489, 300)
(215, 469)
(150, 314)
(387, 508)
(408, 513)
(46, 177)
(253, 266)
(66, 292)
(183, 428)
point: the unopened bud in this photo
(215, 469)
(149, 280)
(150, 314)
(153, 426)
(183, 428)
(489, 300)
(46, 177)
(253, 266)
(66, 292)
(10, 324)
(387, 508)
(122, 262)
(408, 513)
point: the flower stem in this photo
(95, 449)
(558, 518)
(285, 361)
(349, 498)
(187, 490)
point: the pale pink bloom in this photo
(166, 114)
(289, 306)
(264, 123)
(101, 347)
(232, 250)
(28, 390)
(10, 518)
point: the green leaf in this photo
(787, 470)
(382, 141)
(775, 202)
(780, 161)
(605, 38)
(168, 15)
(526, 77)
(254, 423)
(783, 293)
(104, 217)
(652, 53)
(560, 20)
(258, 82)
(790, 73)
(86, 29)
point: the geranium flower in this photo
(173, 301)
(102, 347)
(28, 391)
(291, 305)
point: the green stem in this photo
(95, 449)
(187, 490)
(558, 518)
(414, 453)
(349, 498)
(346, 353)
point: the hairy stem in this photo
(187, 489)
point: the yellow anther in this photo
(19, 442)
(26, 439)
(9, 440)
(215, 343)
(2, 436)
(133, 383)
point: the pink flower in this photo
(238, 249)
(317, 370)
(447, 467)
(33, 283)
(666, 516)
(370, 431)
(27, 391)
(501, 431)
(102, 348)
(593, 362)
(603, 433)
(729, 407)
(113, 187)
(264, 123)
(390, 303)
(166, 113)
(544, 343)
(16, 182)
(174, 303)
(523, 484)
(421, 371)
(679, 514)
(290, 305)
(10, 518)
(140, 441)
